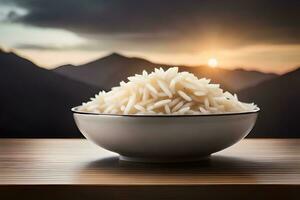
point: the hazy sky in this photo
(254, 34)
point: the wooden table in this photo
(77, 169)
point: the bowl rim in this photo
(76, 111)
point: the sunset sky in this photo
(254, 34)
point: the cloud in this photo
(51, 47)
(188, 24)
(39, 47)
(10, 12)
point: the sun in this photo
(213, 62)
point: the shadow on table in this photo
(217, 177)
(215, 164)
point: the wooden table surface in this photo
(61, 168)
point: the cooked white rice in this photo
(166, 92)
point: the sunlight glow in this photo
(212, 62)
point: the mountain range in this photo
(110, 70)
(36, 102)
(279, 100)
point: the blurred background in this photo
(55, 55)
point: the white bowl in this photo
(165, 138)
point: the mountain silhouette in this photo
(36, 102)
(279, 100)
(108, 71)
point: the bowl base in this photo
(163, 160)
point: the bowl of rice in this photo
(165, 116)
